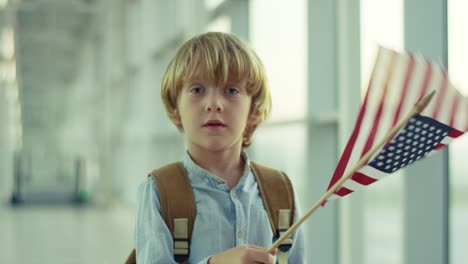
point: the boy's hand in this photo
(244, 255)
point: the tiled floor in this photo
(65, 234)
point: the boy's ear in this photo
(252, 119)
(176, 120)
(251, 122)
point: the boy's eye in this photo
(232, 91)
(196, 90)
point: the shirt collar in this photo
(199, 175)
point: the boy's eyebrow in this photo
(196, 82)
(234, 82)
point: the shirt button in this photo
(240, 234)
(233, 194)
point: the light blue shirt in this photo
(225, 218)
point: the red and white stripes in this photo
(397, 82)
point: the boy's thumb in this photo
(274, 252)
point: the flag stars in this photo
(413, 142)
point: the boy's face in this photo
(213, 116)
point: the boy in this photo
(215, 92)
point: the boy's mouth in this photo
(214, 123)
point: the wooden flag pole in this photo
(422, 103)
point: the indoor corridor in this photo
(83, 122)
(65, 234)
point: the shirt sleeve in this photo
(297, 251)
(153, 240)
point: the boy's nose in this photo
(214, 105)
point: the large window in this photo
(382, 24)
(458, 41)
(220, 24)
(278, 35)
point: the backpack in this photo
(178, 206)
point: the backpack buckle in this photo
(283, 226)
(181, 242)
(286, 245)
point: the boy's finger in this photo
(274, 252)
(260, 255)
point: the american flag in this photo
(397, 83)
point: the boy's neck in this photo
(226, 164)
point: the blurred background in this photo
(82, 123)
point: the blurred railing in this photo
(42, 179)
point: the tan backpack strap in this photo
(177, 206)
(278, 198)
(131, 258)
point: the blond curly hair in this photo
(219, 57)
